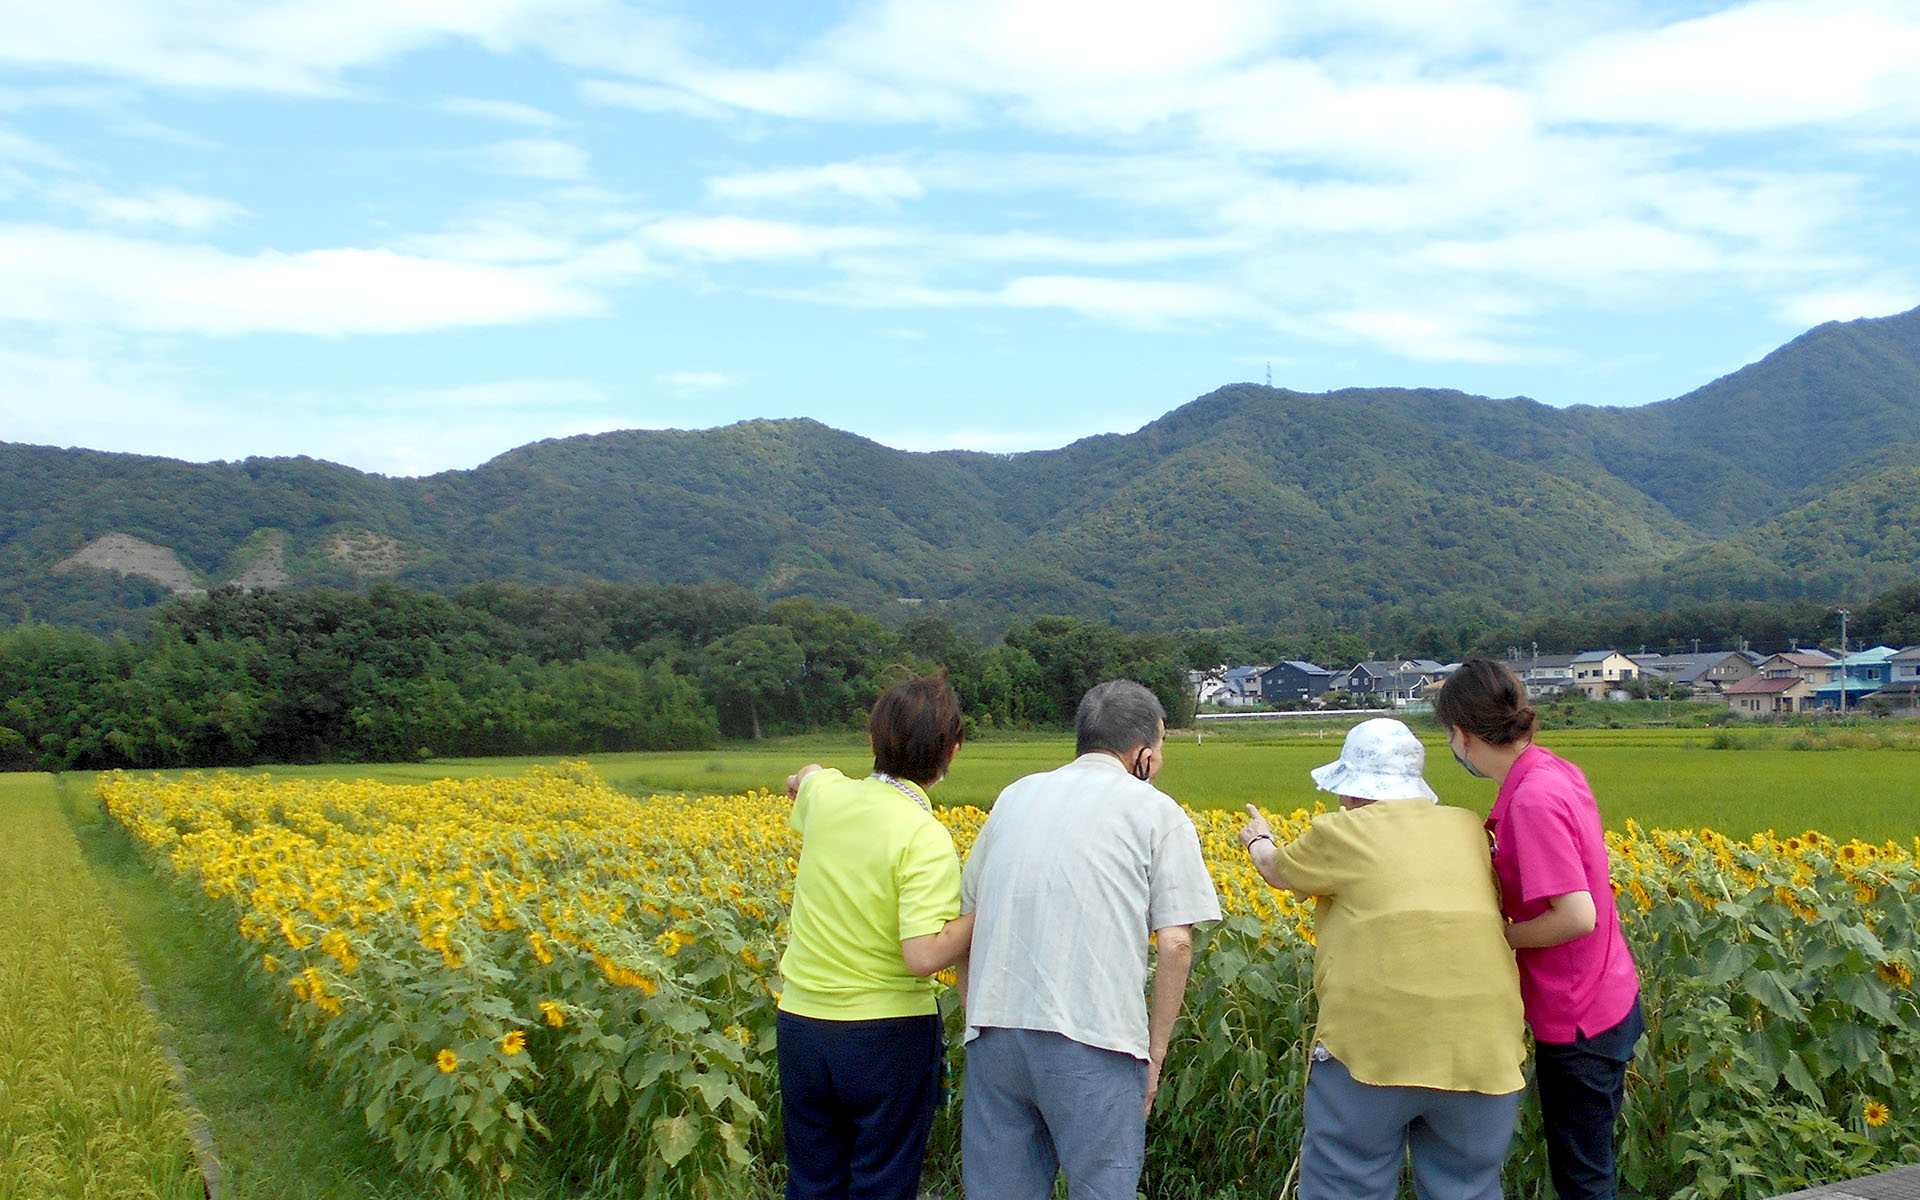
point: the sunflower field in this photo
(499, 970)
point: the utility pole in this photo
(1844, 614)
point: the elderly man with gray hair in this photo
(1072, 870)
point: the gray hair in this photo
(1118, 715)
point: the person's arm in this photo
(937, 951)
(1173, 963)
(799, 777)
(1567, 917)
(1257, 836)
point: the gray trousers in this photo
(1358, 1134)
(1038, 1102)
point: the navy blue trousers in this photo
(856, 1104)
(1581, 1084)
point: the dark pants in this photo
(1580, 1085)
(857, 1101)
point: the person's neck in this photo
(1506, 756)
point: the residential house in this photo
(1394, 681)
(1814, 666)
(1902, 692)
(1769, 696)
(1242, 686)
(1600, 672)
(1708, 673)
(1905, 666)
(1858, 675)
(1544, 674)
(1294, 680)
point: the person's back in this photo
(1062, 881)
(1072, 871)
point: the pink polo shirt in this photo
(1547, 841)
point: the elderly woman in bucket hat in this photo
(1418, 1047)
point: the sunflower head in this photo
(1876, 1114)
(446, 1060)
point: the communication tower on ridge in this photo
(1269, 374)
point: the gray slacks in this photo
(1358, 1134)
(1038, 1102)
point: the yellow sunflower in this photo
(514, 1042)
(447, 1060)
(1876, 1114)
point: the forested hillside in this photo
(1386, 511)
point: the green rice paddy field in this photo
(1847, 783)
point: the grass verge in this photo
(87, 1109)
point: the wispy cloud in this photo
(161, 207)
(57, 276)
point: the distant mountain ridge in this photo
(1794, 476)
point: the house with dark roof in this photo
(1293, 681)
(1394, 681)
(1769, 696)
(1544, 673)
(1242, 686)
(1710, 672)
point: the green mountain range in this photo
(1797, 476)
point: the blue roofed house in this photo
(1294, 680)
(1901, 693)
(1862, 673)
(1242, 686)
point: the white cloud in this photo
(536, 158)
(1436, 337)
(876, 183)
(652, 98)
(510, 111)
(732, 238)
(1875, 297)
(162, 207)
(61, 277)
(1764, 65)
(291, 46)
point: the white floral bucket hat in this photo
(1381, 760)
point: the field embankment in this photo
(87, 1109)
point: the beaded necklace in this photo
(904, 790)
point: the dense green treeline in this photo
(234, 677)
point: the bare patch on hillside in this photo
(268, 569)
(124, 554)
(369, 555)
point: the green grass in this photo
(277, 1125)
(87, 1110)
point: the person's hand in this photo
(1255, 829)
(1153, 1083)
(794, 780)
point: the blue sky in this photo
(410, 236)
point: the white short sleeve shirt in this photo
(1072, 870)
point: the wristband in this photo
(1260, 837)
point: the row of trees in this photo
(234, 678)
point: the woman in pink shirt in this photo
(1577, 979)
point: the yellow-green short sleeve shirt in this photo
(875, 870)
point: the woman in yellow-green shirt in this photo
(1419, 1044)
(876, 911)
